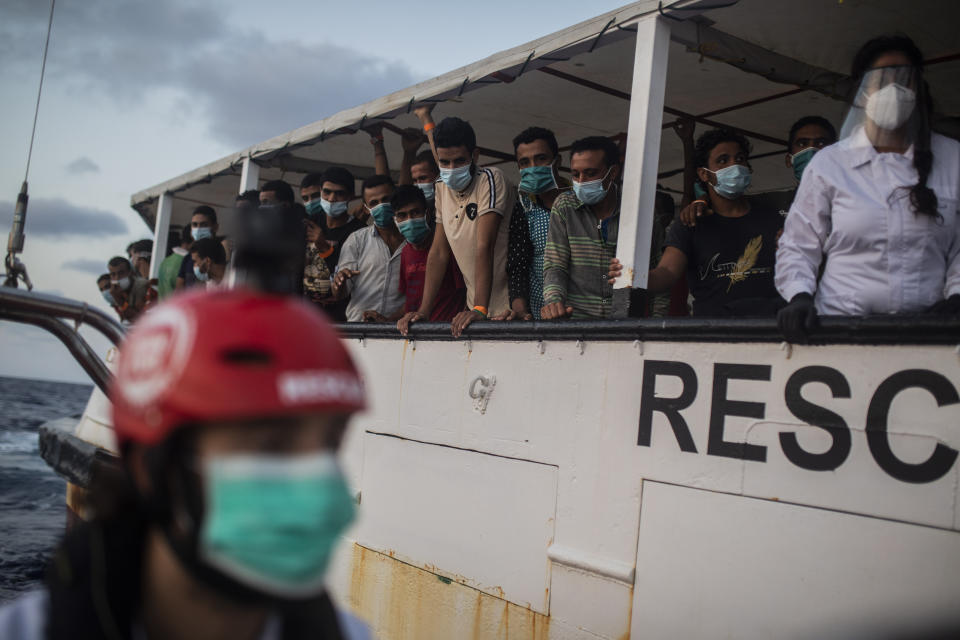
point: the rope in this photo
(36, 110)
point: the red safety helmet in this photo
(230, 354)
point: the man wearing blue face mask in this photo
(326, 197)
(410, 214)
(369, 267)
(203, 224)
(103, 283)
(584, 224)
(728, 257)
(807, 136)
(538, 158)
(127, 288)
(209, 262)
(473, 209)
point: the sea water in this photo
(32, 507)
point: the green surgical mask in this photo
(800, 160)
(414, 229)
(537, 179)
(271, 522)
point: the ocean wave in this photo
(19, 442)
(32, 498)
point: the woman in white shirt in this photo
(879, 207)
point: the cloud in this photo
(83, 164)
(247, 86)
(265, 88)
(57, 218)
(86, 265)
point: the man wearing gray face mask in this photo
(129, 290)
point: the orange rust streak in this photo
(401, 601)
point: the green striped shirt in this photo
(577, 258)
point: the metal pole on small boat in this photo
(161, 232)
(16, 270)
(643, 151)
(249, 175)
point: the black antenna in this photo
(16, 270)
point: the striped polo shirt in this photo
(577, 258)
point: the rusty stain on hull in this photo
(401, 602)
(78, 505)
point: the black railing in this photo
(901, 329)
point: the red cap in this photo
(229, 354)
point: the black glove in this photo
(798, 319)
(950, 306)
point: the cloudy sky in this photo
(140, 91)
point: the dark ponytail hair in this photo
(922, 198)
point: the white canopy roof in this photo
(757, 65)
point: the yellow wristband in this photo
(481, 309)
(428, 127)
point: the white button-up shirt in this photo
(881, 257)
(377, 286)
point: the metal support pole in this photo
(161, 229)
(249, 175)
(643, 151)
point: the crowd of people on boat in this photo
(869, 229)
(224, 519)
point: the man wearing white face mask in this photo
(727, 257)
(880, 206)
(128, 290)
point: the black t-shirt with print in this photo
(730, 262)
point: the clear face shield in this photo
(885, 108)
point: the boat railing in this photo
(885, 330)
(49, 312)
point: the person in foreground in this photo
(880, 205)
(223, 520)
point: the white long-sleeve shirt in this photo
(881, 257)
